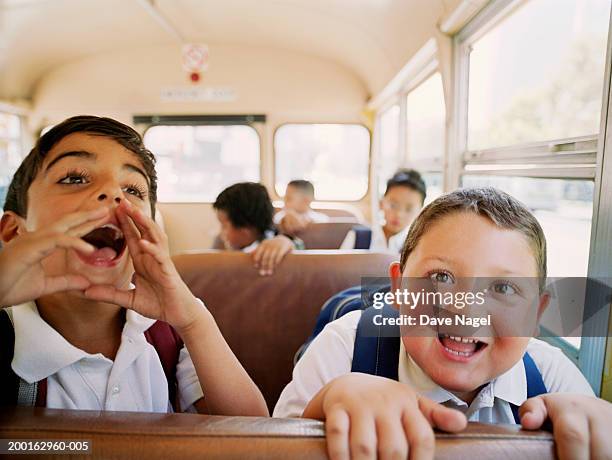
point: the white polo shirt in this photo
(134, 381)
(330, 355)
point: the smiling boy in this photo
(443, 380)
(77, 232)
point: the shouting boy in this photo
(90, 287)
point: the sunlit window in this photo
(195, 163)
(388, 140)
(538, 74)
(426, 119)
(11, 153)
(334, 157)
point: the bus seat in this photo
(327, 235)
(348, 213)
(129, 435)
(265, 319)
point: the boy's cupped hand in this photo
(159, 291)
(368, 417)
(580, 423)
(23, 277)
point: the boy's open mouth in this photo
(461, 347)
(109, 242)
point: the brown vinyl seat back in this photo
(265, 319)
(333, 213)
(132, 435)
(327, 235)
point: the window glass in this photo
(435, 185)
(425, 116)
(389, 146)
(564, 209)
(195, 163)
(11, 153)
(538, 74)
(334, 157)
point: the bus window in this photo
(190, 156)
(10, 150)
(425, 132)
(388, 137)
(529, 99)
(533, 79)
(334, 157)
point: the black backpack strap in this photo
(376, 349)
(14, 391)
(363, 237)
(535, 384)
(9, 382)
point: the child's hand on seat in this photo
(23, 277)
(580, 423)
(160, 293)
(270, 253)
(370, 417)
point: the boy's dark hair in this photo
(408, 178)
(17, 194)
(499, 207)
(304, 186)
(247, 204)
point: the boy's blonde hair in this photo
(497, 206)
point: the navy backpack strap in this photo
(363, 237)
(535, 384)
(376, 349)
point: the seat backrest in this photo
(129, 435)
(327, 235)
(266, 319)
(334, 213)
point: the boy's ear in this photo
(11, 225)
(543, 304)
(395, 273)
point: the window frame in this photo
(566, 158)
(369, 167)
(200, 122)
(419, 68)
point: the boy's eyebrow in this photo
(136, 169)
(92, 156)
(75, 153)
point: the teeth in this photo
(461, 339)
(117, 231)
(458, 353)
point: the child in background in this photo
(401, 203)
(244, 211)
(77, 230)
(297, 213)
(444, 380)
